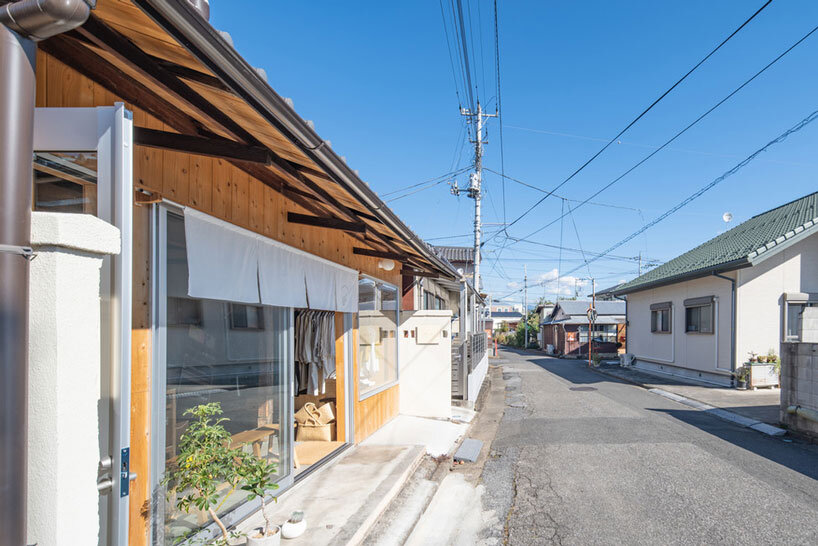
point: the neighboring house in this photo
(188, 221)
(461, 257)
(565, 329)
(700, 314)
(507, 318)
(543, 311)
(505, 307)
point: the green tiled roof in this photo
(737, 247)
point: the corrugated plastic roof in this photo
(737, 247)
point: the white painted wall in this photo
(760, 290)
(476, 378)
(426, 363)
(64, 376)
(700, 356)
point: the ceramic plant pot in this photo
(269, 540)
(294, 530)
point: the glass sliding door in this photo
(236, 354)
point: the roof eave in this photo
(698, 274)
(203, 41)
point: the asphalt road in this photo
(580, 458)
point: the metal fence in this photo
(466, 355)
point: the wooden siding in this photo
(375, 411)
(217, 188)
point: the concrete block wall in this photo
(799, 384)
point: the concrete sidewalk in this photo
(759, 406)
(342, 500)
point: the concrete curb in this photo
(747, 422)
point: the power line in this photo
(499, 107)
(465, 53)
(780, 138)
(451, 57)
(680, 133)
(637, 118)
(437, 178)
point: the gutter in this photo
(205, 43)
(22, 23)
(732, 322)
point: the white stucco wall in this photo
(693, 355)
(476, 378)
(64, 376)
(760, 290)
(426, 363)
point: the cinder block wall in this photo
(799, 384)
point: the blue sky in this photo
(376, 79)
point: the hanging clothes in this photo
(314, 350)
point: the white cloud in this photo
(564, 288)
(512, 284)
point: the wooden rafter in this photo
(118, 45)
(380, 254)
(418, 273)
(325, 222)
(212, 146)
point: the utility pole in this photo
(525, 304)
(640, 263)
(475, 183)
(591, 322)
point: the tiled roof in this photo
(456, 253)
(506, 314)
(578, 307)
(737, 247)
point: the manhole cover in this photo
(583, 389)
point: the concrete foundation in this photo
(799, 384)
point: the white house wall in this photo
(426, 363)
(691, 355)
(760, 290)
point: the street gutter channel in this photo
(754, 424)
(401, 517)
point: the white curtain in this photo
(222, 259)
(281, 276)
(346, 291)
(226, 262)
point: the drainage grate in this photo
(582, 389)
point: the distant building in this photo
(565, 330)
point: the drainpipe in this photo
(803, 412)
(732, 320)
(622, 298)
(21, 24)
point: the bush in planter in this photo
(206, 460)
(258, 474)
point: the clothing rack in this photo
(314, 350)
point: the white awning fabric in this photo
(230, 263)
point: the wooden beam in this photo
(331, 223)
(416, 273)
(89, 64)
(379, 254)
(126, 51)
(213, 147)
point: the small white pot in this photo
(269, 540)
(294, 530)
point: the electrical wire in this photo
(780, 138)
(683, 131)
(642, 114)
(500, 109)
(442, 176)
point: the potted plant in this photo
(258, 474)
(762, 359)
(741, 378)
(753, 356)
(207, 463)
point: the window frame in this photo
(397, 311)
(700, 304)
(802, 300)
(657, 310)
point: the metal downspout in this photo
(732, 320)
(20, 24)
